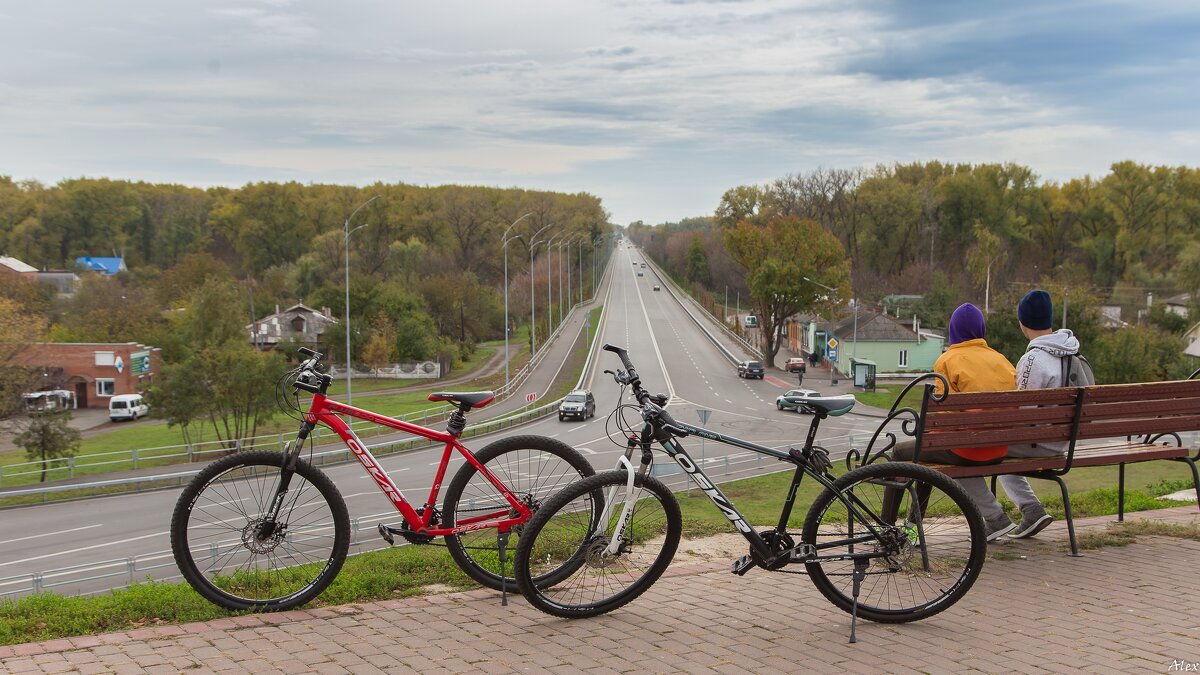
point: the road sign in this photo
(833, 343)
(531, 397)
(703, 413)
(832, 351)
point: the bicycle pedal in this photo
(742, 565)
(388, 534)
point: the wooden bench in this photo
(1103, 425)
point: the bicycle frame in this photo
(677, 452)
(325, 411)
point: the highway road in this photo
(92, 545)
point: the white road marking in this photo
(87, 548)
(51, 534)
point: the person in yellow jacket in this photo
(969, 364)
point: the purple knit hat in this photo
(966, 323)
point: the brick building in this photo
(94, 371)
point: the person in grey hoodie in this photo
(1040, 368)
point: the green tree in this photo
(49, 436)
(777, 257)
(697, 262)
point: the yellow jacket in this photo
(974, 366)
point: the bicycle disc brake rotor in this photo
(597, 555)
(253, 536)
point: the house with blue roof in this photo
(108, 266)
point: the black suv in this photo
(750, 369)
(579, 404)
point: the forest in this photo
(985, 233)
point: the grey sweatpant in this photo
(1016, 487)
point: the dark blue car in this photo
(750, 369)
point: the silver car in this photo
(788, 401)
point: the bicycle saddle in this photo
(474, 399)
(832, 406)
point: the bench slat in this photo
(1104, 456)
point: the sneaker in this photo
(1032, 521)
(999, 527)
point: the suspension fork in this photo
(286, 470)
(610, 500)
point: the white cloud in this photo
(656, 107)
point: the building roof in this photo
(16, 265)
(298, 308)
(1181, 300)
(873, 327)
(108, 266)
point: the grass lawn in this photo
(409, 570)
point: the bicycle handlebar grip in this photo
(624, 355)
(306, 351)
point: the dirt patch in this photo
(728, 546)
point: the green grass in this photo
(883, 397)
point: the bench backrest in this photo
(969, 420)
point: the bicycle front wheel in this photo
(928, 548)
(532, 468)
(603, 575)
(230, 552)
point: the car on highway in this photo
(641, 273)
(789, 400)
(749, 369)
(579, 404)
(657, 288)
(796, 364)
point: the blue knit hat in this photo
(966, 323)
(1035, 309)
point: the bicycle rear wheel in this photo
(930, 531)
(563, 535)
(234, 558)
(533, 468)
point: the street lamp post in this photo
(504, 246)
(550, 285)
(532, 294)
(348, 231)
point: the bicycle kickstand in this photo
(502, 549)
(860, 573)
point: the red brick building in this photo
(94, 371)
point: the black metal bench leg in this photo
(1120, 493)
(1067, 512)
(994, 485)
(1195, 476)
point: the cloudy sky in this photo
(657, 107)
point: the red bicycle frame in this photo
(325, 411)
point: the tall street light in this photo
(348, 231)
(504, 246)
(550, 285)
(533, 242)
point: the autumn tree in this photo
(777, 257)
(48, 436)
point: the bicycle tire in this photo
(902, 587)
(533, 468)
(213, 533)
(560, 536)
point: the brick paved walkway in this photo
(1034, 609)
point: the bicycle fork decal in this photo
(721, 501)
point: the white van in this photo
(127, 407)
(751, 321)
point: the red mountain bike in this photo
(268, 531)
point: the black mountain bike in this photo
(892, 541)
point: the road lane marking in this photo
(86, 548)
(51, 534)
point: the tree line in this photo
(426, 275)
(983, 233)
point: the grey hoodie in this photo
(1041, 366)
